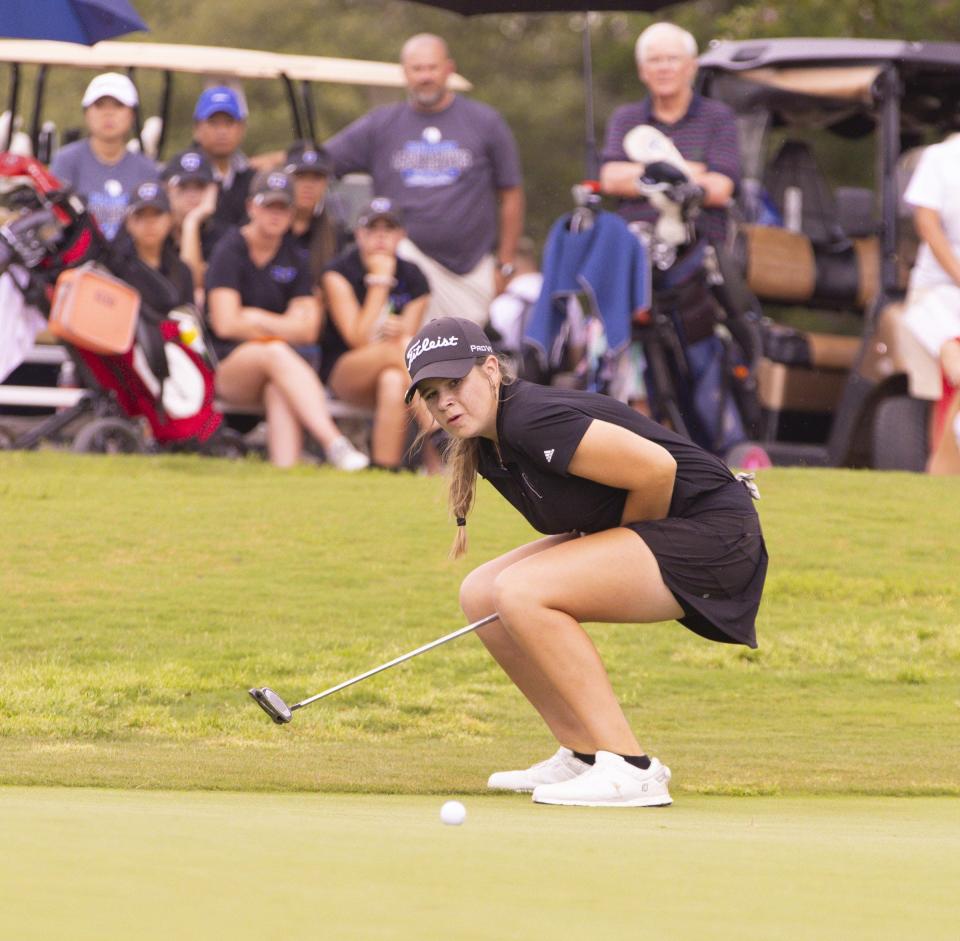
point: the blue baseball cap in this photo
(220, 99)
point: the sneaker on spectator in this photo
(562, 766)
(344, 456)
(611, 782)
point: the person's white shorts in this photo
(454, 295)
(933, 316)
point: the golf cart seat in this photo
(802, 372)
(789, 268)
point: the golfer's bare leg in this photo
(477, 600)
(541, 599)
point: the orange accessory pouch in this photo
(94, 310)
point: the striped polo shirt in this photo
(706, 134)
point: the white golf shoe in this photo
(563, 766)
(611, 782)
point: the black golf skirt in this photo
(715, 563)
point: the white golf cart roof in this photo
(209, 60)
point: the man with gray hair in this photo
(450, 165)
(703, 130)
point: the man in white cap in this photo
(100, 168)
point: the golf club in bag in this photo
(281, 713)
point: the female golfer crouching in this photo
(644, 526)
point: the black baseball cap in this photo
(149, 195)
(446, 348)
(189, 166)
(380, 207)
(304, 157)
(272, 186)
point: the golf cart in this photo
(830, 399)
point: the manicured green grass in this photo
(90, 865)
(139, 598)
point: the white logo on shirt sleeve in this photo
(549, 455)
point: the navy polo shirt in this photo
(271, 287)
(706, 134)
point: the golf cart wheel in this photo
(900, 434)
(108, 436)
(6, 438)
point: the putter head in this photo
(271, 704)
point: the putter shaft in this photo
(407, 656)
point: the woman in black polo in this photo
(642, 526)
(259, 302)
(375, 303)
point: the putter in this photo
(274, 706)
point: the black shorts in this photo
(715, 564)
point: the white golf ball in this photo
(453, 813)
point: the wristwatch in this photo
(507, 269)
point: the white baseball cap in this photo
(111, 85)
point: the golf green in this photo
(105, 864)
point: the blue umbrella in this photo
(81, 21)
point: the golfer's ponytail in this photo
(463, 456)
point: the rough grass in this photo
(140, 598)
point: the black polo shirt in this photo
(161, 289)
(540, 427)
(322, 241)
(271, 287)
(232, 200)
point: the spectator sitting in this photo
(219, 126)
(259, 302)
(511, 309)
(193, 200)
(375, 304)
(145, 255)
(316, 228)
(100, 168)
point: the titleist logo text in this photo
(425, 345)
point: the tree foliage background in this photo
(528, 66)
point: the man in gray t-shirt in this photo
(451, 165)
(100, 168)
